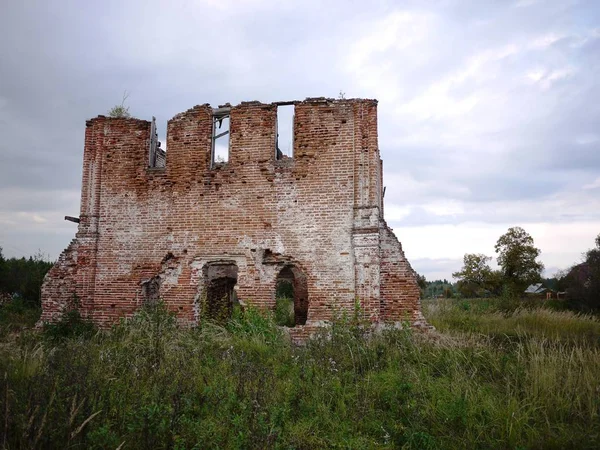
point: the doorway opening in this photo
(291, 297)
(219, 296)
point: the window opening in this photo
(157, 157)
(284, 144)
(220, 136)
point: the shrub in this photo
(17, 315)
(284, 312)
(120, 111)
(70, 325)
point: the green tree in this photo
(582, 282)
(495, 282)
(475, 277)
(517, 257)
(592, 288)
(23, 277)
(422, 282)
(2, 263)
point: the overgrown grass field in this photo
(491, 376)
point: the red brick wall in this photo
(400, 294)
(320, 211)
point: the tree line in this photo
(519, 267)
(22, 277)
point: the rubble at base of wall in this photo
(300, 334)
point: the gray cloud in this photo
(436, 269)
(488, 111)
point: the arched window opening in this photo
(291, 297)
(220, 279)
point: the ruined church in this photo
(229, 211)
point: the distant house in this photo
(539, 290)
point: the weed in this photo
(70, 325)
(16, 316)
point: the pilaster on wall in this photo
(367, 166)
(365, 232)
(366, 271)
(89, 184)
(91, 191)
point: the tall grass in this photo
(17, 315)
(149, 384)
(491, 317)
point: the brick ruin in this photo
(201, 231)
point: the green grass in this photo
(16, 316)
(284, 312)
(525, 320)
(474, 383)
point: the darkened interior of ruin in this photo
(151, 291)
(291, 281)
(220, 279)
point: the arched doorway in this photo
(291, 297)
(219, 279)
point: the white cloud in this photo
(593, 185)
(524, 3)
(444, 208)
(546, 78)
(546, 41)
(394, 213)
(586, 139)
(586, 37)
(375, 56)
(536, 75)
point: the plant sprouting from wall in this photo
(120, 111)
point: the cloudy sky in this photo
(489, 111)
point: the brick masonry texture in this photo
(172, 231)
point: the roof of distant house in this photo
(536, 288)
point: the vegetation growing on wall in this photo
(120, 111)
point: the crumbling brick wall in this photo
(144, 229)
